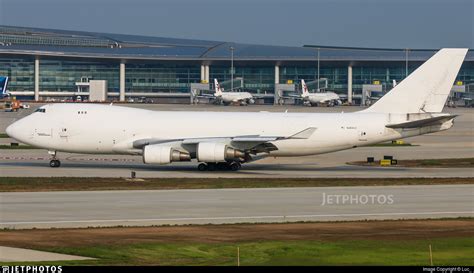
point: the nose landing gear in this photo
(54, 163)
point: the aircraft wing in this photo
(421, 122)
(254, 143)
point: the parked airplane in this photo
(241, 98)
(312, 99)
(3, 87)
(226, 140)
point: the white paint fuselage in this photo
(230, 97)
(321, 97)
(105, 129)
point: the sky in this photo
(359, 23)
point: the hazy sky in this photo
(365, 23)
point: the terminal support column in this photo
(37, 77)
(203, 73)
(206, 73)
(277, 74)
(349, 84)
(122, 81)
(276, 96)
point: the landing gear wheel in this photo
(211, 166)
(202, 167)
(222, 166)
(54, 163)
(235, 166)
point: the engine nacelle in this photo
(160, 154)
(217, 152)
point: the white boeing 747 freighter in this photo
(226, 140)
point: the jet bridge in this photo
(282, 93)
(313, 85)
(197, 91)
(227, 85)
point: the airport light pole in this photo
(231, 68)
(406, 62)
(318, 70)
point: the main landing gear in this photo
(54, 163)
(219, 166)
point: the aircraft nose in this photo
(11, 130)
(16, 131)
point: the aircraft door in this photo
(63, 133)
(362, 134)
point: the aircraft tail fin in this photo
(427, 88)
(304, 89)
(3, 86)
(217, 88)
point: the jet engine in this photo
(217, 152)
(160, 154)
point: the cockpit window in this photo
(41, 110)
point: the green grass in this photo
(446, 251)
(15, 184)
(4, 135)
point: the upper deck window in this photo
(41, 110)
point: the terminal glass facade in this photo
(58, 75)
(21, 73)
(336, 76)
(175, 77)
(256, 79)
(466, 75)
(386, 74)
(152, 78)
(383, 75)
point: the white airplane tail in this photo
(304, 89)
(427, 88)
(217, 88)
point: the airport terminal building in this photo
(45, 63)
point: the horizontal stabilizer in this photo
(421, 122)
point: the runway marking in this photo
(240, 217)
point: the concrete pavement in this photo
(218, 206)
